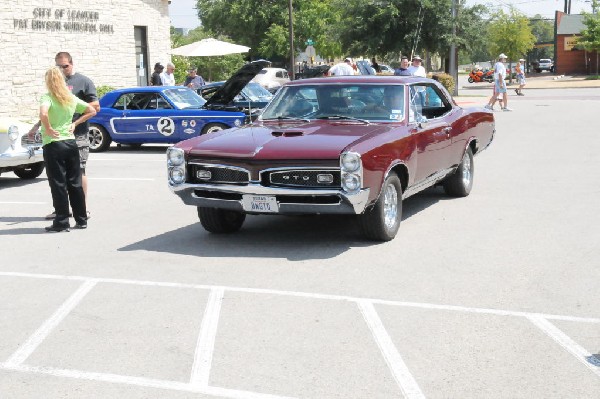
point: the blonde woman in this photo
(61, 155)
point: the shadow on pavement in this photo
(295, 238)
(7, 182)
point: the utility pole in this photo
(291, 30)
(453, 69)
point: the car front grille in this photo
(200, 173)
(305, 178)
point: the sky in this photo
(183, 13)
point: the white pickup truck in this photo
(545, 64)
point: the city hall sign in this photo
(62, 20)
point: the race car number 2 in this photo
(166, 126)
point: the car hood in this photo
(234, 85)
(286, 140)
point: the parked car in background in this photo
(544, 64)
(272, 78)
(157, 114)
(238, 91)
(354, 145)
(17, 154)
(386, 69)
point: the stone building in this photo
(114, 42)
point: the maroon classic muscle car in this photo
(354, 145)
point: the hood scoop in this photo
(287, 134)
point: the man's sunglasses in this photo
(64, 66)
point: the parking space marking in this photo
(122, 178)
(46, 328)
(22, 203)
(141, 382)
(206, 339)
(400, 371)
(207, 336)
(585, 357)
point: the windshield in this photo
(370, 102)
(256, 92)
(184, 98)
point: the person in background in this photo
(193, 80)
(519, 69)
(375, 65)
(155, 78)
(61, 154)
(416, 69)
(167, 78)
(403, 70)
(499, 85)
(342, 69)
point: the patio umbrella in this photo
(209, 47)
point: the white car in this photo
(272, 78)
(17, 154)
(386, 69)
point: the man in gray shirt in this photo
(82, 87)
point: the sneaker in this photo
(79, 226)
(517, 91)
(57, 229)
(53, 215)
(506, 109)
(488, 106)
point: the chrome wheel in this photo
(466, 170)
(390, 206)
(99, 138)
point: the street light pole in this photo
(452, 67)
(291, 30)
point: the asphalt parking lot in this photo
(490, 296)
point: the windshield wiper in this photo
(344, 117)
(287, 118)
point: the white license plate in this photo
(259, 203)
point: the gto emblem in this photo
(295, 177)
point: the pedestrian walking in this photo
(61, 154)
(499, 85)
(520, 77)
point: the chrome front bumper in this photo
(21, 156)
(290, 201)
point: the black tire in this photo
(460, 183)
(382, 221)
(99, 138)
(213, 127)
(220, 221)
(470, 79)
(31, 171)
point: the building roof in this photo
(570, 24)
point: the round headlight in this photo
(13, 133)
(175, 156)
(177, 175)
(350, 162)
(350, 182)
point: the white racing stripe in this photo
(46, 328)
(206, 339)
(400, 371)
(585, 357)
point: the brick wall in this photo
(33, 32)
(573, 62)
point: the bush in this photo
(593, 77)
(102, 90)
(446, 80)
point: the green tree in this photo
(510, 34)
(590, 36)
(543, 30)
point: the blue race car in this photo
(167, 114)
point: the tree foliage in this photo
(543, 30)
(510, 34)
(590, 36)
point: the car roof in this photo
(390, 79)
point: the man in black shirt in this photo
(155, 78)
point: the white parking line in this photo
(46, 328)
(122, 178)
(23, 202)
(567, 343)
(206, 339)
(400, 371)
(141, 382)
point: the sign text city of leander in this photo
(63, 20)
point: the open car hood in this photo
(234, 85)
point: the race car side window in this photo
(122, 102)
